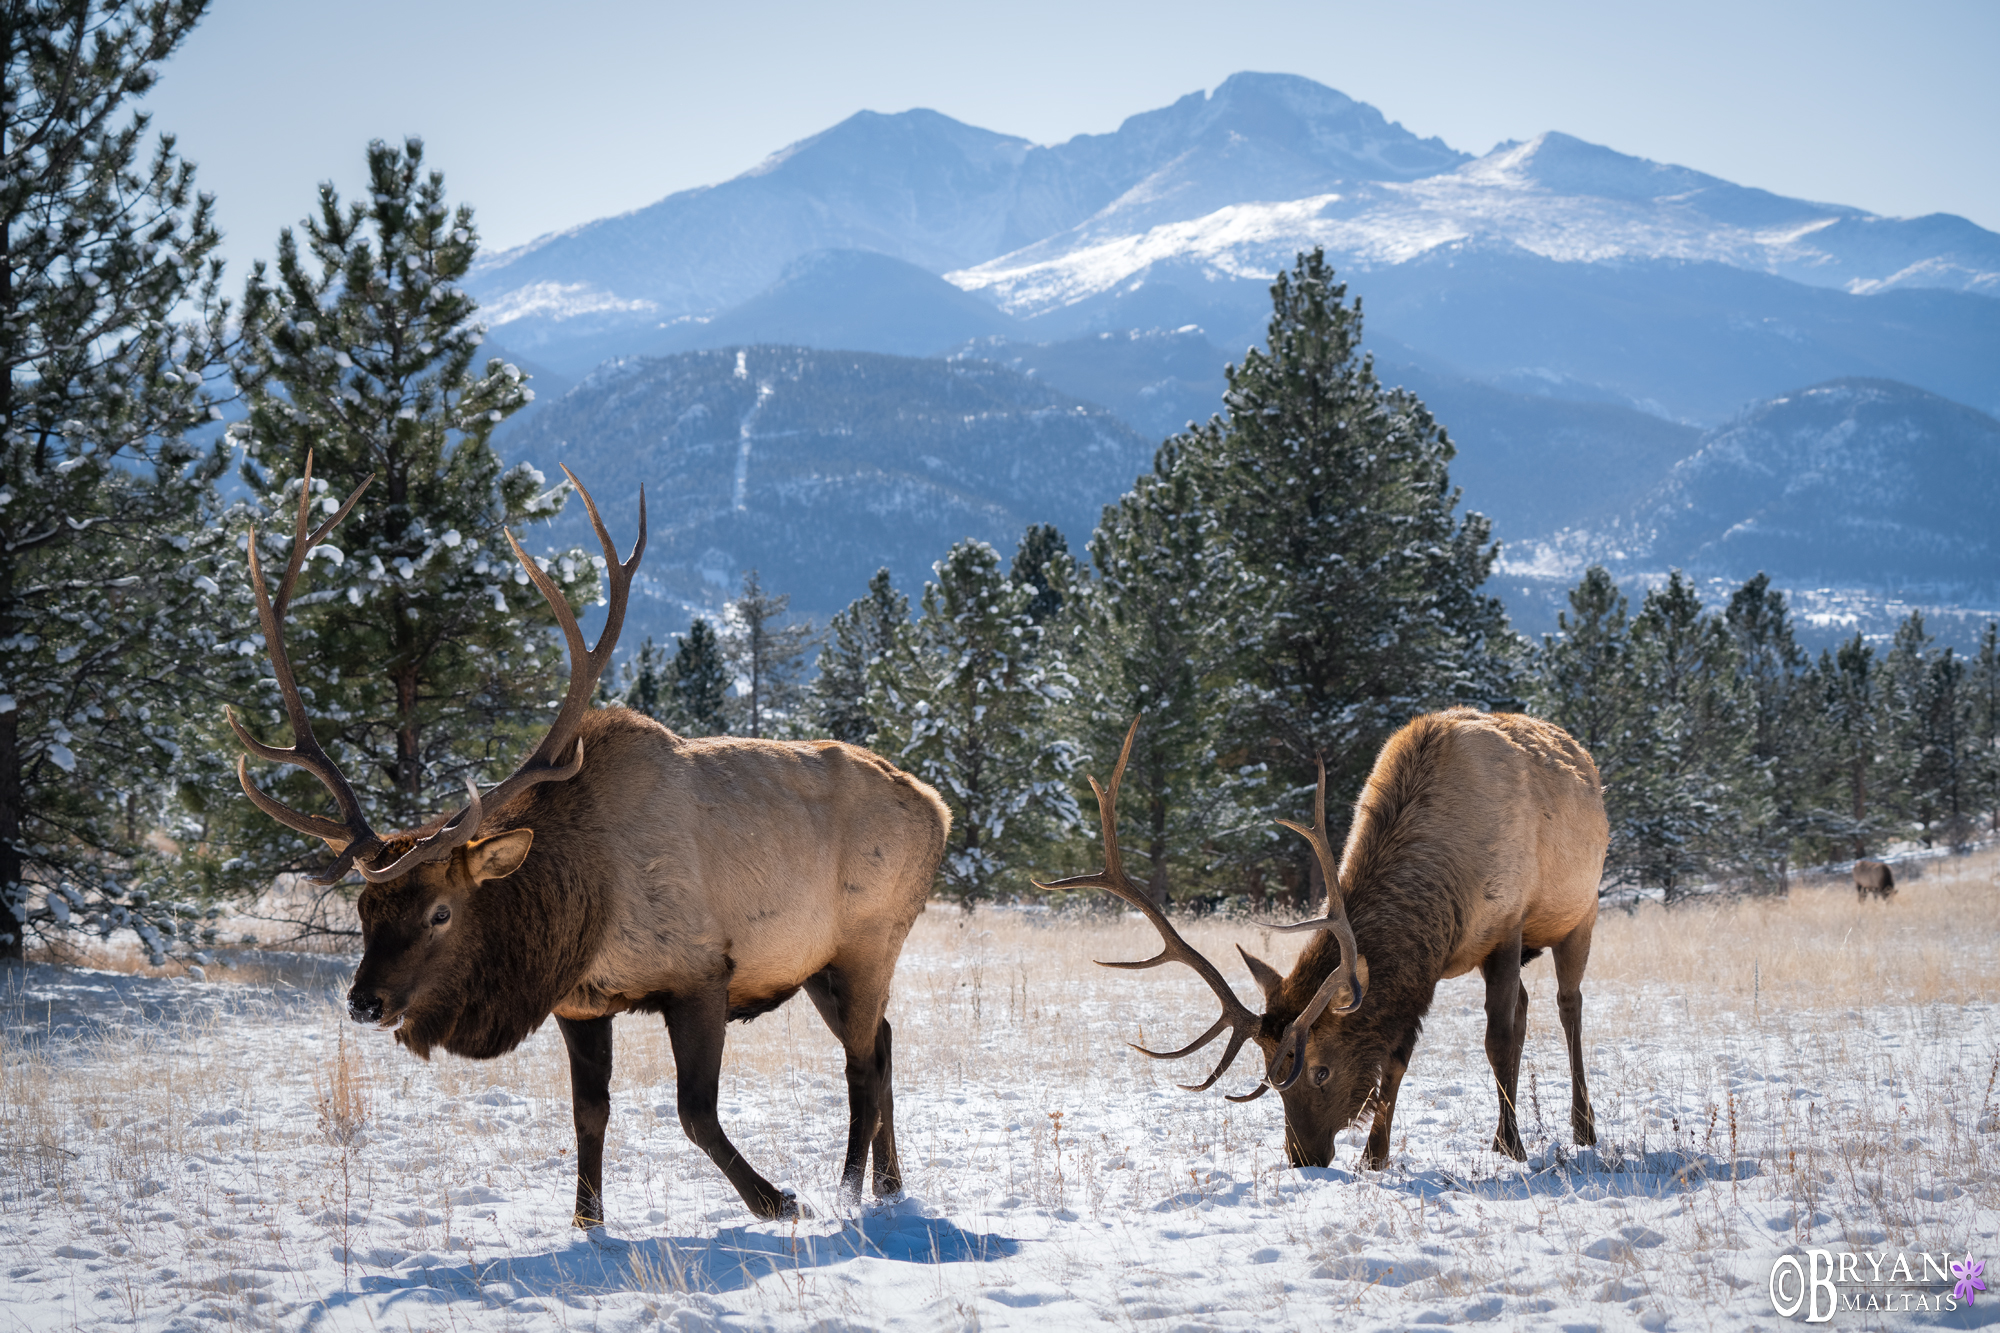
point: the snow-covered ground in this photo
(1769, 1078)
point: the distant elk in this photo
(1872, 878)
(1477, 842)
(624, 868)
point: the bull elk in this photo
(624, 868)
(1478, 841)
(1873, 878)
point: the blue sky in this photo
(544, 116)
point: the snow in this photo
(1553, 196)
(559, 300)
(178, 1155)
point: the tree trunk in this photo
(1860, 812)
(1157, 887)
(409, 757)
(13, 894)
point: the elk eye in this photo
(439, 917)
(1320, 1074)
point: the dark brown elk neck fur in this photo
(528, 937)
(1403, 879)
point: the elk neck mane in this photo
(1403, 880)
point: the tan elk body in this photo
(624, 868)
(1478, 841)
(1873, 878)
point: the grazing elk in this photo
(1478, 841)
(624, 868)
(1873, 877)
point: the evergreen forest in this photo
(1288, 584)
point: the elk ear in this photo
(498, 856)
(1263, 973)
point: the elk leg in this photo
(696, 1024)
(1376, 1155)
(1502, 970)
(1571, 953)
(888, 1166)
(589, 1042)
(857, 1021)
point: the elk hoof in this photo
(1512, 1149)
(782, 1207)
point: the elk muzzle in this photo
(364, 1006)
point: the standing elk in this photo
(624, 868)
(1873, 877)
(1478, 841)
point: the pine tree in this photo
(425, 645)
(868, 631)
(112, 336)
(700, 683)
(1148, 643)
(1355, 600)
(1043, 553)
(1780, 758)
(969, 703)
(1582, 673)
(1983, 691)
(1679, 811)
(1905, 668)
(1852, 718)
(646, 682)
(1939, 753)
(767, 657)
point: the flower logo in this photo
(1967, 1274)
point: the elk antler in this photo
(1335, 921)
(305, 752)
(1114, 881)
(585, 666)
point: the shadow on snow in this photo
(731, 1260)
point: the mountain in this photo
(1555, 196)
(1535, 464)
(1531, 461)
(1852, 481)
(817, 468)
(1583, 321)
(1586, 271)
(1157, 380)
(853, 299)
(926, 189)
(1864, 497)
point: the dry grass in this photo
(1811, 1055)
(340, 1094)
(1820, 947)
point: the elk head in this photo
(1324, 1084)
(420, 913)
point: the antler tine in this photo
(1236, 1016)
(585, 666)
(1343, 977)
(305, 751)
(459, 828)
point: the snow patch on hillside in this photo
(560, 300)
